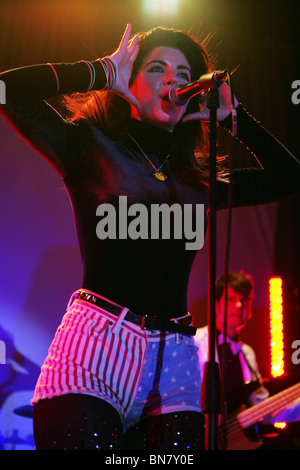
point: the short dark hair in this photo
(238, 281)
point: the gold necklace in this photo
(158, 174)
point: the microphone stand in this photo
(210, 396)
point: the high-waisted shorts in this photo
(140, 373)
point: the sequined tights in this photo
(83, 422)
(171, 431)
(76, 422)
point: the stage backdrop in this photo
(40, 262)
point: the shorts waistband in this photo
(180, 325)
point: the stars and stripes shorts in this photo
(141, 373)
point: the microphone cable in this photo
(226, 261)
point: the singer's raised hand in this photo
(224, 106)
(124, 58)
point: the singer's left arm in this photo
(279, 175)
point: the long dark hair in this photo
(111, 113)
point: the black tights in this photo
(85, 422)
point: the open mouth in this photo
(165, 97)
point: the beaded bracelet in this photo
(110, 69)
(111, 72)
(92, 74)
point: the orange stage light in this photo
(276, 326)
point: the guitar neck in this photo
(277, 402)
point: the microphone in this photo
(179, 95)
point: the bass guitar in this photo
(236, 426)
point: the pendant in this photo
(159, 176)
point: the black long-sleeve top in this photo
(149, 276)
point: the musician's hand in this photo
(124, 58)
(224, 105)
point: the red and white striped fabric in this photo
(95, 353)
